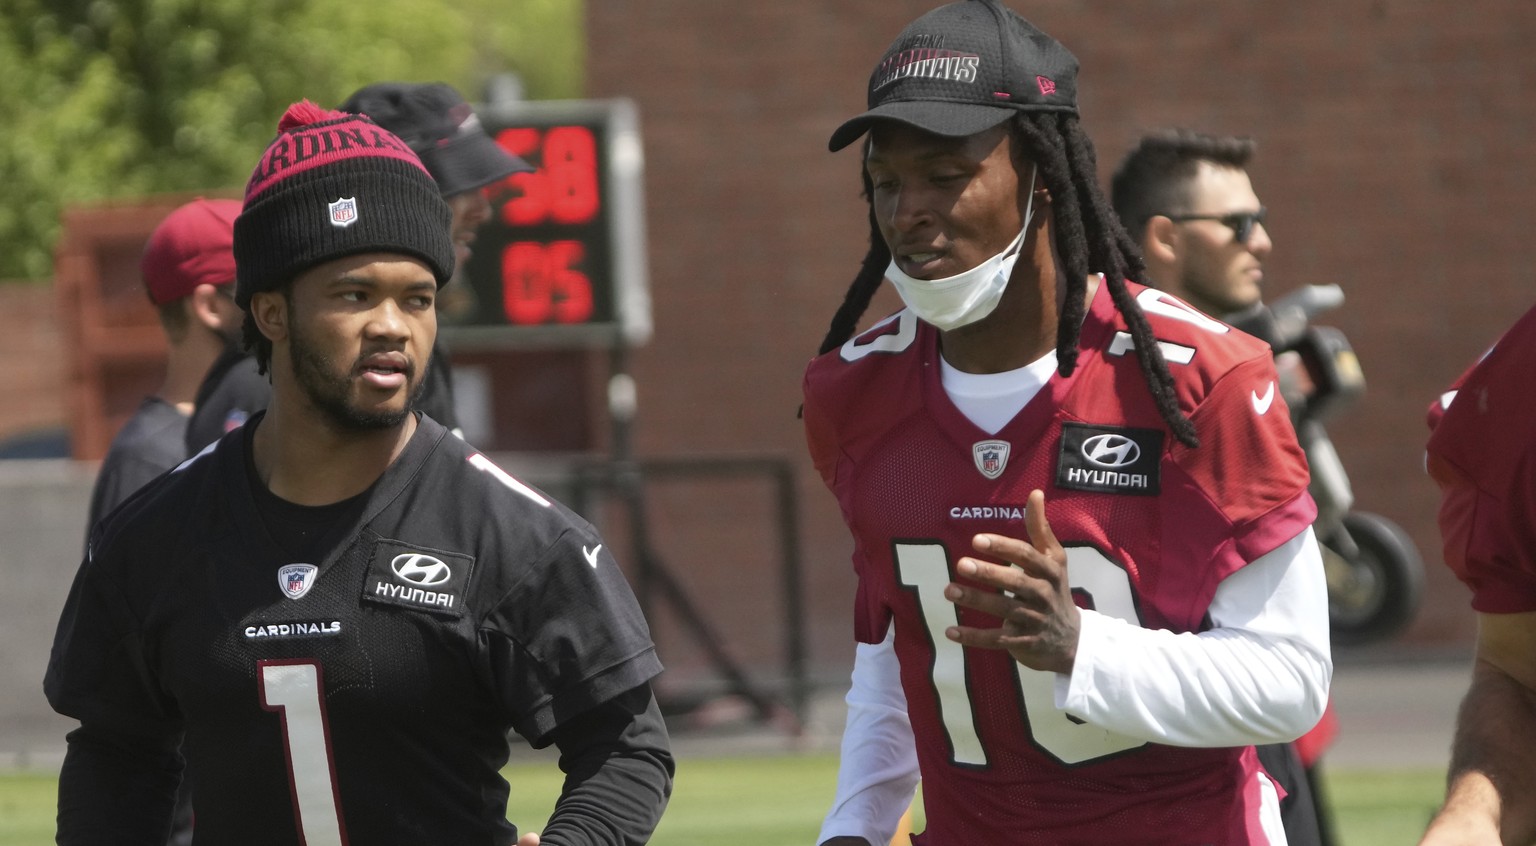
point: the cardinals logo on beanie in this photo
(331, 185)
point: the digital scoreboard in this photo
(562, 261)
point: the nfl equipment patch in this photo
(1110, 459)
(991, 457)
(416, 578)
(296, 579)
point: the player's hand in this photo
(529, 839)
(1040, 622)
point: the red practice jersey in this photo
(1151, 528)
(1483, 455)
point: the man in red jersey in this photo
(1087, 578)
(1483, 455)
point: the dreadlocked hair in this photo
(846, 321)
(1088, 237)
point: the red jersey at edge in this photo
(1151, 528)
(1483, 455)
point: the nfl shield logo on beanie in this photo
(305, 199)
(344, 212)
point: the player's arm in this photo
(618, 769)
(1259, 675)
(122, 765)
(117, 788)
(1492, 781)
(877, 769)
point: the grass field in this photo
(779, 801)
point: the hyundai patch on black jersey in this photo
(363, 697)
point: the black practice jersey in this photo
(150, 443)
(364, 696)
(232, 391)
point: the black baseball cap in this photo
(965, 68)
(433, 119)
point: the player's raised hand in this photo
(529, 839)
(1040, 621)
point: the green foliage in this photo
(110, 99)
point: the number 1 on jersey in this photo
(293, 689)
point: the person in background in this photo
(444, 131)
(1087, 578)
(1482, 454)
(343, 609)
(1188, 202)
(464, 161)
(188, 269)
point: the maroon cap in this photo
(193, 246)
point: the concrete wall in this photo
(42, 536)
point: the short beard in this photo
(329, 391)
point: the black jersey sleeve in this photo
(618, 764)
(122, 766)
(116, 788)
(97, 671)
(567, 637)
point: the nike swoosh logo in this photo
(1262, 404)
(591, 554)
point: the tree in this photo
(109, 99)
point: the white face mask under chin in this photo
(966, 297)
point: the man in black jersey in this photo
(342, 608)
(188, 267)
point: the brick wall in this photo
(1393, 158)
(32, 365)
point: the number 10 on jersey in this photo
(924, 567)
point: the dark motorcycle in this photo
(1375, 574)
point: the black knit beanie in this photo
(333, 185)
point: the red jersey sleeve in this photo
(1482, 453)
(1249, 463)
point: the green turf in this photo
(779, 801)
(1387, 807)
(26, 809)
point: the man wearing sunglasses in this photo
(1188, 203)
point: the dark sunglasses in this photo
(1241, 223)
